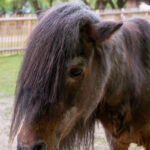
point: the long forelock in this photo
(50, 46)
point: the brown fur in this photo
(110, 82)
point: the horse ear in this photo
(104, 30)
(39, 14)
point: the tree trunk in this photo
(121, 3)
(111, 4)
(35, 4)
(85, 2)
(51, 2)
(100, 4)
(131, 4)
(18, 10)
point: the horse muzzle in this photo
(36, 146)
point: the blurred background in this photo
(17, 20)
(31, 6)
(18, 17)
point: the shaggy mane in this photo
(50, 46)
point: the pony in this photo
(79, 70)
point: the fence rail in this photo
(18, 19)
(14, 33)
(15, 30)
(123, 14)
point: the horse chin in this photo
(51, 134)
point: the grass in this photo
(9, 68)
(11, 44)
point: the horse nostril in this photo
(36, 146)
(39, 146)
(18, 147)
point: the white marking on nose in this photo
(69, 114)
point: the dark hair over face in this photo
(56, 78)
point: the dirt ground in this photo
(5, 117)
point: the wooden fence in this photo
(15, 30)
(123, 14)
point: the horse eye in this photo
(75, 72)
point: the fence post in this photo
(122, 14)
(29, 26)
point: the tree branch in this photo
(18, 10)
(111, 3)
(51, 2)
(121, 3)
(100, 4)
(35, 4)
(85, 2)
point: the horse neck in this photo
(126, 75)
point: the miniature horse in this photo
(79, 70)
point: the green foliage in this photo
(44, 4)
(31, 6)
(5, 6)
